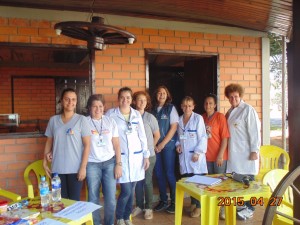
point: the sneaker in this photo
(161, 206)
(196, 212)
(128, 222)
(136, 211)
(245, 214)
(121, 222)
(171, 208)
(148, 214)
(222, 213)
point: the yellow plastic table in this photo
(34, 205)
(228, 193)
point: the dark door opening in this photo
(183, 74)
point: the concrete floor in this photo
(164, 218)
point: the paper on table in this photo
(77, 210)
(205, 180)
(48, 221)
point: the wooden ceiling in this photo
(262, 15)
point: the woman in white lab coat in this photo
(134, 152)
(244, 141)
(191, 146)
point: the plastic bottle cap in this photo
(43, 178)
(3, 203)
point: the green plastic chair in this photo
(10, 195)
(38, 169)
(270, 159)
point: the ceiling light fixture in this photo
(96, 33)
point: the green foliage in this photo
(275, 44)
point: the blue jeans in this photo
(98, 174)
(212, 167)
(125, 201)
(165, 171)
(70, 186)
(144, 188)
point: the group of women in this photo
(128, 143)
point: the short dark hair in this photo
(211, 95)
(124, 89)
(92, 98)
(65, 91)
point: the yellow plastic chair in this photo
(270, 159)
(38, 170)
(272, 179)
(10, 195)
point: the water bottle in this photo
(56, 188)
(44, 192)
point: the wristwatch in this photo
(119, 163)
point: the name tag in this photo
(101, 142)
(182, 137)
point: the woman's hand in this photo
(253, 156)
(46, 168)
(81, 174)
(159, 147)
(146, 163)
(49, 157)
(178, 149)
(195, 157)
(219, 161)
(118, 171)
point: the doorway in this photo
(183, 73)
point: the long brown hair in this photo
(137, 94)
(169, 96)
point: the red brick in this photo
(189, 41)
(166, 33)
(3, 38)
(230, 44)
(137, 60)
(112, 67)
(236, 38)
(3, 21)
(210, 36)
(8, 30)
(148, 31)
(182, 47)
(224, 50)
(250, 64)
(111, 82)
(130, 83)
(138, 75)
(223, 37)
(143, 38)
(103, 90)
(157, 39)
(40, 40)
(242, 45)
(196, 35)
(210, 49)
(249, 39)
(230, 71)
(112, 51)
(202, 42)
(181, 33)
(27, 31)
(237, 51)
(173, 40)
(130, 67)
(7, 142)
(237, 64)
(41, 24)
(255, 45)
(121, 75)
(216, 43)
(129, 52)
(26, 141)
(17, 22)
(197, 48)
(17, 165)
(150, 45)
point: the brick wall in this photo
(240, 61)
(15, 155)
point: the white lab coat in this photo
(244, 127)
(192, 138)
(133, 145)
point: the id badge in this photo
(183, 137)
(128, 132)
(101, 141)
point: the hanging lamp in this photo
(96, 33)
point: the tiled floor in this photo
(164, 218)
